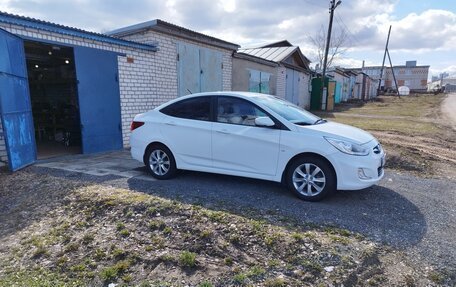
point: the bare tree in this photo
(337, 47)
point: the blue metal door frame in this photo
(99, 99)
(15, 107)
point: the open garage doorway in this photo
(54, 99)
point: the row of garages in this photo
(66, 90)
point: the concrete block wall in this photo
(144, 83)
(167, 56)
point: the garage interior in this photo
(54, 99)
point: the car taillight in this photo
(135, 125)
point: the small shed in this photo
(277, 68)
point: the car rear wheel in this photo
(311, 178)
(160, 162)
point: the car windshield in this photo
(289, 111)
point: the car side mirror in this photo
(264, 122)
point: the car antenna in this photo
(189, 91)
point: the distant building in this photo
(410, 75)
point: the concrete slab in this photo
(117, 163)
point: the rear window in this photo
(193, 109)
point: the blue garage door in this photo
(292, 86)
(15, 107)
(99, 99)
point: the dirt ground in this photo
(58, 231)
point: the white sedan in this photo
(257, 136)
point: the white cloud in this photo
(249, 22)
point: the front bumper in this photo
(358, 172)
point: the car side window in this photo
(237, 111)
(195, 109)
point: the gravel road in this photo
(414, 214)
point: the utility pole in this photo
(332, 7)
(383, 64)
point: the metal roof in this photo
(275, 54)
(70, 31)
(172, 29)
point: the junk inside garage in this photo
(54, 99)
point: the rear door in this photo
(187, 131)
(99, 99)
(15, 107)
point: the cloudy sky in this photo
(422, 30)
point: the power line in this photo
(342, 23)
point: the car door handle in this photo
(170, 123)
(225, 132)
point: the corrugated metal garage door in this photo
(99, 99)
(200, 69)
(15, 107)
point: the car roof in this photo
(247, 95)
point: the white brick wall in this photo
(281, 81)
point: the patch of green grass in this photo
(124, 233)
(240, 278)
(297, 236)
(339, 239)
(215, 216)
(271, 239)
(255, 271)
(157, 225)
(273, 263)
(71, 247)
(276, 282)
(167, 230)
(228, 261)
(40, 251)
(78, 268)
(120, 226)
(157, 241)
(187, 259)
(99, 254)
(436, 277)
(205, 284)
(311, 265)
(112, 272)
(88, 237)
(205, 234)
(118, 253)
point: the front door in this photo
(15, 107)
(99, 99)
(240, 146)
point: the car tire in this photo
(160, 162)
(311, 178)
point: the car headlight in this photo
(348, 147)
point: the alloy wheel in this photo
(309, 179)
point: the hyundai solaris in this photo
(257, 136)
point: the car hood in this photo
(340, 131)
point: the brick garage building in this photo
(77, 91)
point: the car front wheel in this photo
(311, 178)
(160, 162)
